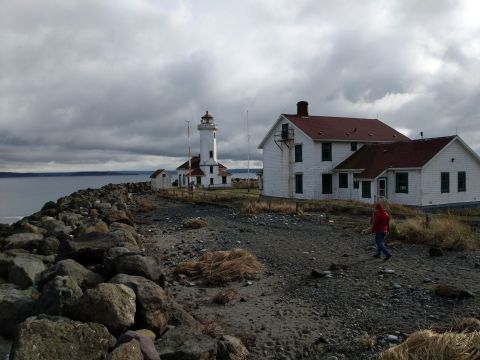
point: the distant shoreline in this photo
(94, 173)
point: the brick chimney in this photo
(302, 109)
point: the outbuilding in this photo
(161, 179)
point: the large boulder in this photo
(179, 316)
(5, 261)
(15, 306)
(184, 343)
(147, 347)
(119, 216)
(136, 264)
(112, 305)
(5, 348)
(58, 294)
(55, 227)
(70, 219)
(452, 292)
(83, 277)
(58, 338)
(49, 246)
(25, 270)
(89, 248)
(152, 302)
(231, 348)
(27, 241)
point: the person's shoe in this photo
(387, 257)
(376, 255)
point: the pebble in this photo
(392, 338)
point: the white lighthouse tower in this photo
(204, 170)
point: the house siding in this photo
(413, 197)
(464, 161)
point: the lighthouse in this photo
(204, 170)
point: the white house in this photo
(425, 172)
(319, 157)
(160, 179)
(300, 152)
(204, 170)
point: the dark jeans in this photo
(380, 241)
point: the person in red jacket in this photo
(381, 227)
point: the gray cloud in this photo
(93, 85)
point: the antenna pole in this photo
(248, 162)
(189, 155)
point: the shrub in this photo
(282, 207)
(442, 231)
(221, 266)
(366, 341)
(195, 223)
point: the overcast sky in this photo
(108, 85)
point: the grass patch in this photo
(255, 207)
(366, 341)
(441, 231)
(224, 296)
(146, 205)
(195, 223)
(460, 341)
(221, 266)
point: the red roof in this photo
(375, 159)
(196, 169)
(346, 129)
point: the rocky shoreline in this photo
(75, 283)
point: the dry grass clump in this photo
(256, 207)
(225, 296)
(366, 341)
(146, 205)
(441, 231)
(195, 223)
(221, 266)
(428, 344)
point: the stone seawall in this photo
(75, 283)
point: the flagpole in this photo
(248, 162)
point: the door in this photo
(382, 188)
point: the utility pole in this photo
(189, 156)
(248, 162)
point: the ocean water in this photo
(20, 197)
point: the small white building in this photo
(204, 170)
(322, 157)
(160, 179)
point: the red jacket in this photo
(381, 220)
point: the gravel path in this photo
(288, 314)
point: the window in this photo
(356, 184)
(211, 181)
(326, 151)
(299, 183)
(214, 134)
(199, 180)
(224, 179)
(284, 131)
(211, 154)
(445, 182)
(163, 175)
(343, 180)
(401, 183)
(353, 146)
(298, 153)
(326, 183)
(366, 190)
(211, 169)
(462, 181)
(183, 179)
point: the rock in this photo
(435, 251)
(152, 305)
(112, 305)
(102, 205)
(5, 262)
(231, 348)
(58, 338)
(15, 306)
(135, 264)
(49, 205)
(82, 276)
(321, 274)
(179, 316)
(128, 228)
(336, 266)
(90, 248)
(27, 241)
(71, 219)
(58, 294)
(25, 270)
(5, 348)
(49, 246)
(127, 351)
(184, 343)
(147, 347)
(392, 338)
(57, 226)
(451, 292)
(147, 333)
(109, 257)
(119, 216)
(99, 227)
